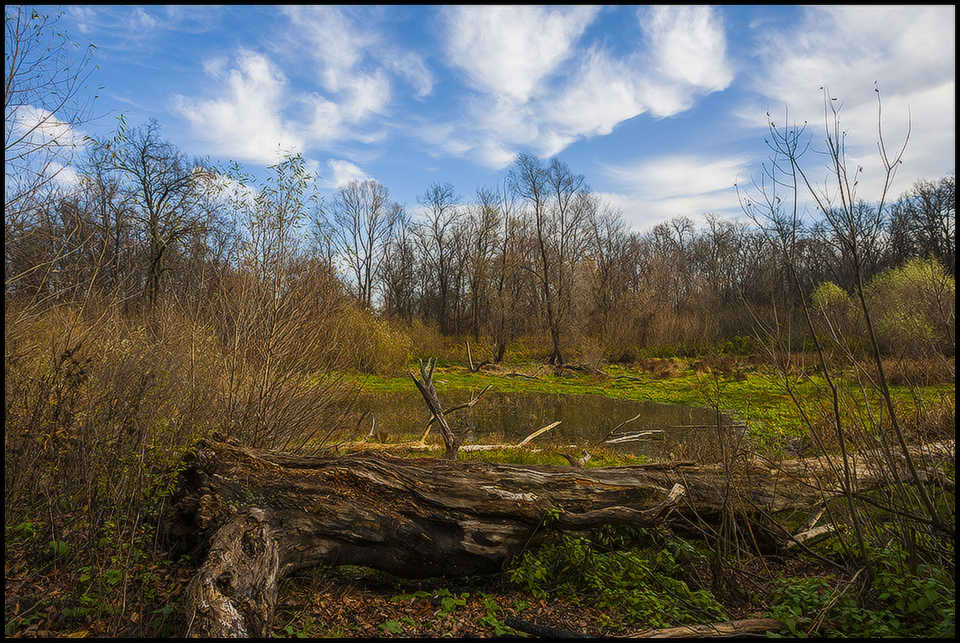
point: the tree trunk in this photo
(266, 514)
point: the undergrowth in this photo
(896, 604)
(637, 586)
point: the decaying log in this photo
(266, 514)
(714, 630)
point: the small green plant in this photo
(449, 603)
(59, 548)
(638, 586)
(391, 627)
(896, 604)
(490, 619)
(24, 531)
(293, 633)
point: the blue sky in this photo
(660, 107)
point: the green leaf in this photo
(59, 547)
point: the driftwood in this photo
(266, 514)
(446, 412)
(475, 368)
(635, 436)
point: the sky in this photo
(663, 108)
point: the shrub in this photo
(913, 307)
(373, 345)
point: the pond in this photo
(689, 432)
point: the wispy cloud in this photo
(666, 186)
(353, 56)
(909, 51)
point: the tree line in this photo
(537, 253)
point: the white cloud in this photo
(36, 126)
(246, 123)
(65, 175)
(525, 104)
(229, 190)
(413, 68)
(493, 154)
(343, 172)
(679, 175)
(334, 42)
(909, 50)
(688, 43)
(141, 18)
(257, 113)
(351, 56)
(509, 50)
(83, 17)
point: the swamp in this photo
(251, 393)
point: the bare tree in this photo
(837, 202)
(45, 102)
(532, 183)
(165, 191)
(363, 221)
(434, 235)
(483, 224)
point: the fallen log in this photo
(266, 514)
(420, 445)
(635, 436)
(713, 630)
(543, 631)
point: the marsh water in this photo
(585, 420)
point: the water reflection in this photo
(586, 419)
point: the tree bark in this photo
(266, 514)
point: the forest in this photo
(203, 371)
